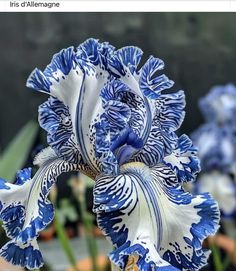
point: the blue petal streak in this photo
(152, 200)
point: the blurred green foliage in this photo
(15, 154)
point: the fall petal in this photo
(170, 224)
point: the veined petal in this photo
(76, 79)
(117, 134)
(126, 60)
(118, 91)
(118, 113)
(25, 209)
(170, 224)
(98, 54)
(170, 110)
(152, 87)
(123, 64)
(160, 143)
(55, 118)
(165, 116)
(103, 148)
(183, 160)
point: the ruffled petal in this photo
(126, 60)
(122, 99)
(184, 160)
(145, 211)
(166, 116)
(54, 117)
(25, 209)
(159, 144)
(170, 109)
(26, 255)
(76, 77)
(152, 87)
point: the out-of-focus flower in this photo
(219, 105)
(216, 142)
(216, 147)
(222, 187)
(110, 120)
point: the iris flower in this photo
(116, 123)
(216, 141)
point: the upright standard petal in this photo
(75, 78)
(170, 224)
(161, 140)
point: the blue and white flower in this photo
(216, 142)
(222, 187)
(216, 146)
(219, 105)
(109, 119)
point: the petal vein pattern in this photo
(145, 211)
(25, 210)
(115, 122)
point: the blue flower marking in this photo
(216, 140)
(183, 160)
(219, 105)
(109, 118)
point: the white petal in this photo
(145, 211)
(222, 188)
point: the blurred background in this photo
(199, 50)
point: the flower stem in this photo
(63, 239)
(216, 258)
(88, 226)
(65, 242)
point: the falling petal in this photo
(145, 211)
(25, 209)
(26, 255)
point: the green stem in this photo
(63, 239)
(216, 258)
(88, 226)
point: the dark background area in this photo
(199, 50)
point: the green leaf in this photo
(16, 153)
(216, 258)
(65, 243)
